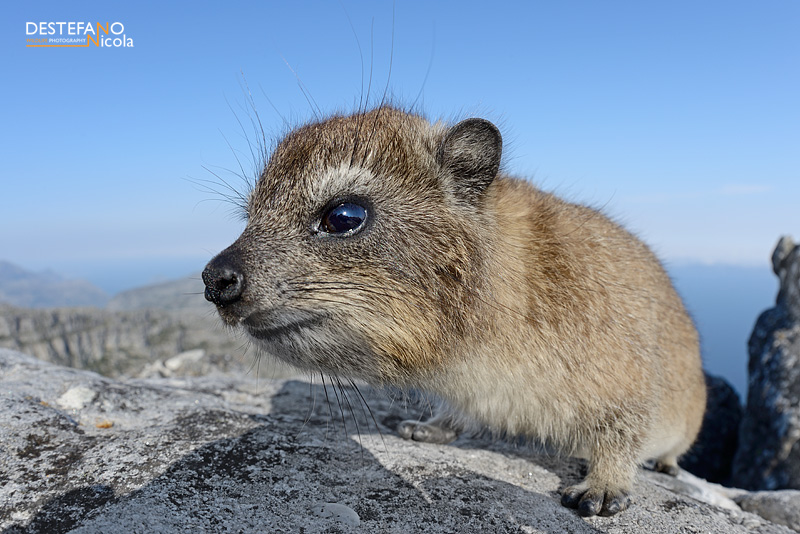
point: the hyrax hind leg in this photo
(440, 428)
(668, 465)
(606, 488)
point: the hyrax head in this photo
(362, 250)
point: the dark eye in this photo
(346, 218)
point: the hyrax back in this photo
(382, 247)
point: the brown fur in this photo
(526, 313)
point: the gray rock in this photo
(781, 507)
(786, 264)
(769, 441)
(82, 453)
(711, 457)
(699, 489)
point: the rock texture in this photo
(782, 507)
(127, 343)
(152, 331)
(82, 453)
(769, 445)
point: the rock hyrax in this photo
(385, 248)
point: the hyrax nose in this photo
(223, 279)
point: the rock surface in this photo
(769, 444)
(82, 453)
(782, 507)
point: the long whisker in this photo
(306, 93)
(221, 189)
(260, 160)
(361, 114)
(352, 415)
(349, 302)
(343, 286)
(313, 406)
(382, 292)
(327, 399)
(285, 121)
(427, 71)
(244, 134)
(385, 92)
(246, 138)
(360, 52)
(364, 404)
(339, 402)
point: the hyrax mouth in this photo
(226, 284)
(266, 327)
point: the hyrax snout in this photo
(382, 247)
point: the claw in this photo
(571, 497)
(591, 502)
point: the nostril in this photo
(224, 285)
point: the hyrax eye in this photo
(344, 219)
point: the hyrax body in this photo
(382, 247)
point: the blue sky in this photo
(681, 119)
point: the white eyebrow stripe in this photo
(340, 180)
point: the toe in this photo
(615, 503)
(590, 504)
(406, 429)
(572, 496)
(425, 432)
(669, 469)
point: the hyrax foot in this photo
(589, 501)
(427, 432)
(668, 468)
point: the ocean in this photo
(725, 302)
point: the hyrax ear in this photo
(470, 153)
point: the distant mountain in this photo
(130, 343)
(182, 294)
(165, 329)
(24, 288)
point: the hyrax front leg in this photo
(606, 488)
(438, 429)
